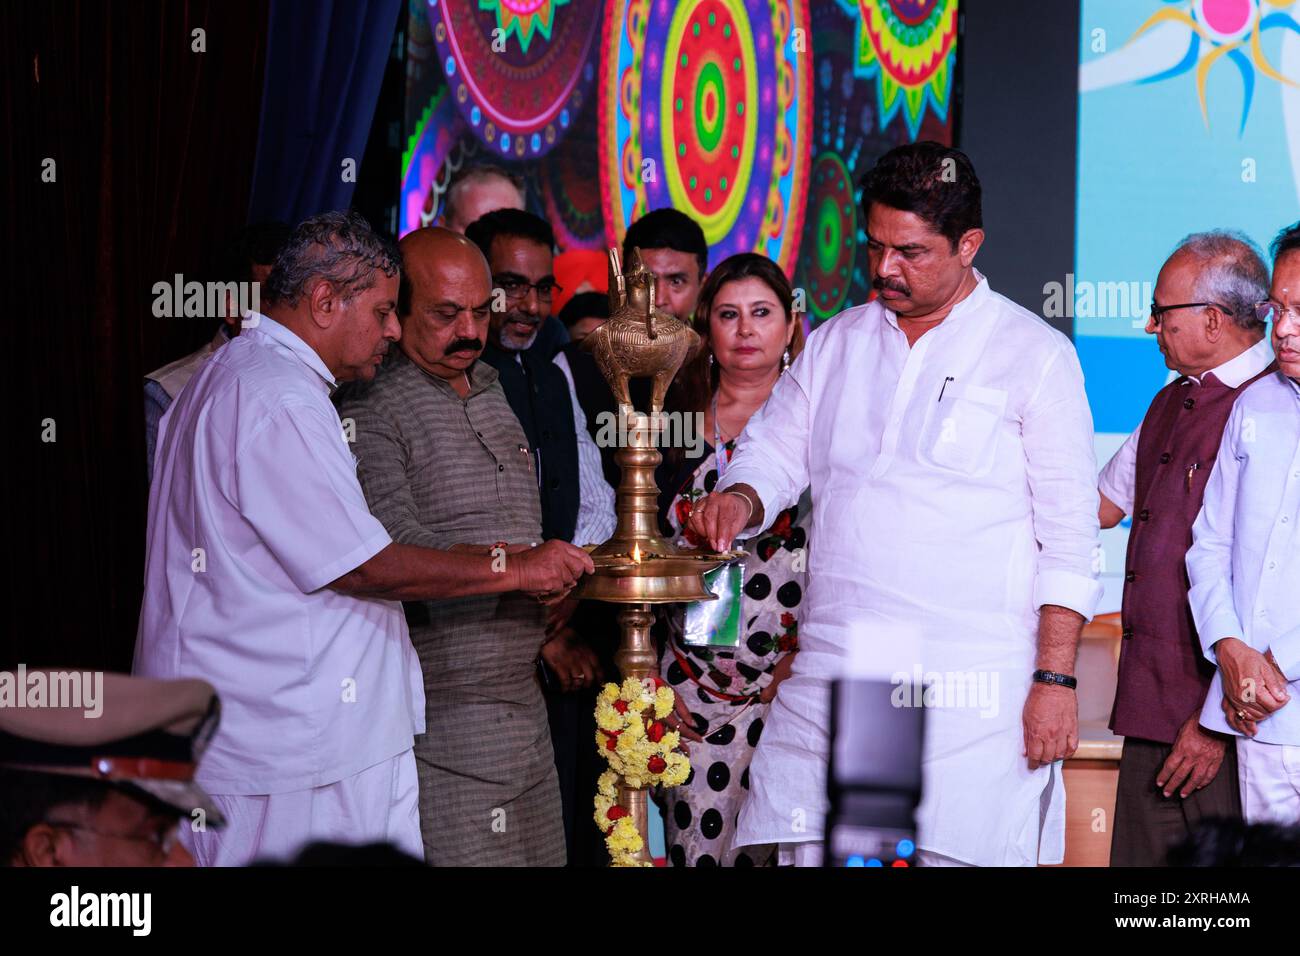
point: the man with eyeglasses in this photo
(1173, 772)
(1244, 566)
(444, 463)
(106, 789)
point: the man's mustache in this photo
(464, 345)
(878, 283)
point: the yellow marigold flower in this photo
(624, 838)
(609, 693)
(679, 768)
(664, 700)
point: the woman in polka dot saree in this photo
(750, 334)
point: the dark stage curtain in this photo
(153, 143)
(324, 67)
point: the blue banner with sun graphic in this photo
(1189, 119)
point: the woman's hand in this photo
(779, 673)
(681, 720)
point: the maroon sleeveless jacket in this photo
(1163, 677)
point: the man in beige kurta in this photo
(444, 462)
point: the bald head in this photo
(444, 301)
(433, 256)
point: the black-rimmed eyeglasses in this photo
(516, 289)
(1158, 311)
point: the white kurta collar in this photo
(294, 343)
(971, 302)
(1245, 365)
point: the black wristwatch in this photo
(1051, 677)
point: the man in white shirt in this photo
(947, 440)
(1244, 566)
(266, 575)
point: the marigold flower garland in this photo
(638, 746)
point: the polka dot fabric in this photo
(700, 815)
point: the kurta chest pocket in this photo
(962, 428)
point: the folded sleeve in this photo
(1060, 465)
(296, 485)
(1209, 560)
(771, 454)
(1118, 480)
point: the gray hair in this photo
(1231, 272)
(340, 248)
(481, 174)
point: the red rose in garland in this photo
(683, 508)
(790, 639)
(656, 764)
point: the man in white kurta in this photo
(1244, 566)
(1245, 574)
(953, 496)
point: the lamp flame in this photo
(636, 553)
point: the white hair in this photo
(1231, 272)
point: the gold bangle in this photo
(745, 498)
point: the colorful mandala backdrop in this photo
(909, 47)
(757, 117)
(705, 107)
(568, 182)
(883, 77)
(519, 70)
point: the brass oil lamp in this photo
(637, 566)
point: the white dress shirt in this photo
(256, 508)
(1244, 563)
(954, 493)
(596, 518)
(1118, 480)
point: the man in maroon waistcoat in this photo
(1174, 773)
